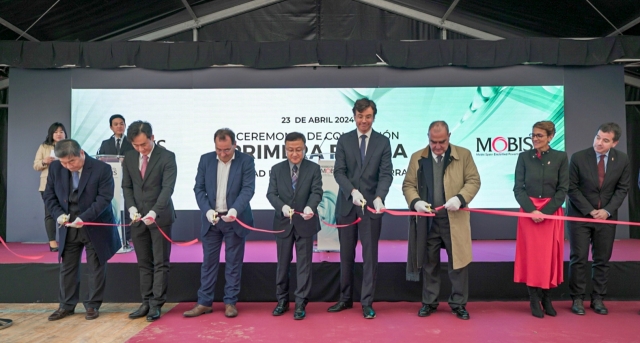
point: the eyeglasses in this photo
(537, 135)
(297, 151)
(226, 151)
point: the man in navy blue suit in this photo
(80, 189)
(363, 171)
(225, 183)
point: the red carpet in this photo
(265, 252)
(397, 322)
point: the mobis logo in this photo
(503, 144)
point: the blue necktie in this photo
(294, 176)
(76, 179)
(363, 147)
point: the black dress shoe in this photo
(368, 312)
(154, 314)
(283, 306)
(577, 307)
(598, 306)
(92, 313)
(460, 312)
(299, 313)
(140, 312)
(60, 313)
(426, 310)
(341, 305)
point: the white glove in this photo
(211, 217)
(378, 205)
(62, 219)
(231, 215)
(75, 223)
(133, 214)
(357, 197)
(286, 211)
(307, 213)
(453, 204)
(422, 206)
(149, 218)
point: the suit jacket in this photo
(584, 188)
(241, 186)
(153, 193)
(95, 192)
(308, 192)
(108, 146)
(372, 178)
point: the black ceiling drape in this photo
(416, 54)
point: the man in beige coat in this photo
(440, 175)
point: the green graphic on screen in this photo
(492, 122)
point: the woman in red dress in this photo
(541, 185)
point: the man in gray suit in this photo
(148, 177)
(294, 185)
(363, 172)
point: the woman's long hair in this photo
(52, 129)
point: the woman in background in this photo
(541, 185)
(44, 156)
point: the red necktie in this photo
(601, 170)
(145, 161)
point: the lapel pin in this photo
(549, 162)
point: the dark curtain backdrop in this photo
(315, 20)
(4, 113)
(633, 149)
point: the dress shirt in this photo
(606, 159)
(223, 177)
(148, 155)
(366, 144)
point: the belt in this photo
(220, 214)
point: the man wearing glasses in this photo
(225, 183)
(295, 190)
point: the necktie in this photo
(76, 179)
(601, 170)
(439, 158)
(294, 176)
(363, 147)
(118, 146)
(145, 161)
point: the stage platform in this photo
(491, 274)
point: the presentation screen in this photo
(494, 123)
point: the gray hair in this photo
(67, 147)
(439, 123)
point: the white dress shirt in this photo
(223, 177)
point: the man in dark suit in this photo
(294, 185)
(148, 177)
(118, 144)
(363, 172)
(225, 183)
(599, 180)
(80, 189)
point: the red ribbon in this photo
(18, 255)
(254, 228)
(185, 244)
(550, 216)
(402, 213)
(546, 216)
(337, 226)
